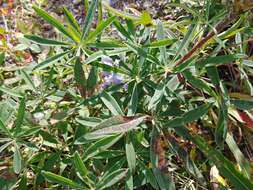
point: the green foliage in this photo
(117, 111)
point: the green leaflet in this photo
(61, 180)
(50, 61)
(88, 19)
(52, 21)
(44, 41)
(111, 103)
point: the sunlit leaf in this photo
(119, 124)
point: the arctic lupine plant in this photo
(181, 123)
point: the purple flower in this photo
(105, 74)
(105, 85)
(125, 86)
(116, 79)
(107, 60)
(109, 77)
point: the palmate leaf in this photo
(145, 19)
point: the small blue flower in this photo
(105, 74)
(125, 86)
(107, 60)
(109, 77)
(105, 85)
(116, 79)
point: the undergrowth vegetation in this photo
(125, 101)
